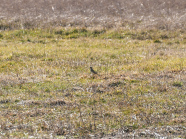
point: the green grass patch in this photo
(46, 85)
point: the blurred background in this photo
(167, 14)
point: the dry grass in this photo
(131, 14)
(46, 87)
(137, 47)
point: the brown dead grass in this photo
(167, 14)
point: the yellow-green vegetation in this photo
(46, 87)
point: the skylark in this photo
(93, 71)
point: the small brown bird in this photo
(92, 70)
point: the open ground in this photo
(48, 91)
